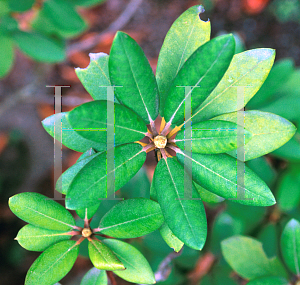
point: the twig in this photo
(120, 22)
(165, 267)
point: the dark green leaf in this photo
(263, 169)
(95, 77)
(203, 69)
(20, 6)
(137, 267)
(185, 217)
(239, 250)
(269, 132)
(8, 25)
(53, 264)
(94, 277)
(171, 240)
(187, 34)
(132, 218)
(70, 138)
(90, 184)
(38, 239)
(278, 75)
(6, 54)
(39, 47)
(90, 121)
(130, 69)
(58, 11)
(270, 280)
(218, 173)
(245, 75)
(211, 137)
(87, 3)
(88, 212)
(290, 245)
(102, 257)
(40, 211)
(269, 238)
(288, 194)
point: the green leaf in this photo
(137, 267)
(94, 277)
(95, 77)
(288, 194)
(269, 280)
(203, 69)
(269, 238)
(90, 184)
(4, 8)
(70, 138)
(290, 245)
(87, 3)
(6, 54)
(218, 173)
(132, 218)
(8, 25)
(171, 240)
(238, 251)
(211, 137)
(245, 75)
(39, 47)
(207, 196)
(20, 6)
(58, 11)
(269, 132)
(187, 34)
(102, 257)
(89, 212)
(278, 75)
(38, 239)
(90, 121)
(130, 69)
(53, 264)
(64, 181)
(185, 217)
(40, 211)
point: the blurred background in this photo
(41, 42)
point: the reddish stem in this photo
(111, 277)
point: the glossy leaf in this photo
(132, 218)
(171, 240)
(130, 69)
(89, 212)
(288, 194)
(238, 250)
(6, 54)
(94, 277)
(102, 257)
(211, 137)
(207, 196)
(90, 184)
(95, 77)
(270, 280)
(64, 181)
(269, 132)
(187, 34)
(53, 264)
(89, 120)
(58, 11)
(248, 70)
(278, 75)
(137, 267)
(290, 245)
(185, 217)
(70, 138)
(39, 47)
(38, 239)
(40, 211)
(20, 6)
(202, 71)
(218, 174)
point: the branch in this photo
(118, 24)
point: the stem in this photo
(153, 128)
(165, 129)
(77, 228)
(175, 148)
(80, 241)
(111, 277)
(148, 147)
(163, 153)
(72, 233)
